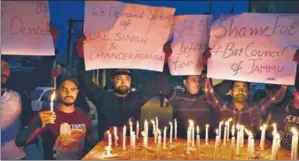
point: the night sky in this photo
(61, 11)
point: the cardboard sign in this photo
(121, 35)
(190, 40)
(25, 28)
(254, 48)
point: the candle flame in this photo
(221, 122)
(230, 119)
(153, 122)
(207, 125)
(294, 131)
(53, 96)
(197, 129)
(217, 132)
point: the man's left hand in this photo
(296, 56)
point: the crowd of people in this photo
(67, 133)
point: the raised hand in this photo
(296, 56)
(47, 117)
(54, 31)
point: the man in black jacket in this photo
(117, 107)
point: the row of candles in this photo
(235, 144)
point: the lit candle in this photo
(274, 128)
(157, 124)
(249, 142)
(252, 147)
(216, 143)
(144, 139)
(225, 133)
(52, 102)
(133, 140)
(154, 131)
(242, 136)
(134, 144)
(109, 139)
(228, 131)
(175, 129)
(115, 136)
(164, 138)
(131, 131)
(207, 134)
(275, 147)
(220, 126)
(159, 138)
(198, 141)
(159, 141)
(137, 130)
(188, 139)
(232, 144)
(238, 139)
(146, 132)
(124, 137)
(294, 151)
(170, 132)
(263, 136)
(192, 132)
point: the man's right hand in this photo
(47, 117)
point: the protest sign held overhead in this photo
(122, 35)
(190, 40)
(254, 48)
(25, 28)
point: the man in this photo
(65, 130)
(60, 69)
(242, 112)
(249, 115)
(286, 115)
(117, 107)
(192, 103)
(11, 109)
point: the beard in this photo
(67, 103)
(4, 79)
(240, 98)
(121, 90)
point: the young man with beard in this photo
(286, 115)
(192, 103)
(117, 107)
(11, 110)
(65, 130)
(249, 115)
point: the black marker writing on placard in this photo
(264, 68)
(125, 23)
(98, 36)
(159, 16)
(130, 38)
(41, 8)
(116, 14)
(112, 46)
(249, 51)
(187, 48)
(98, 11)
(125, 56)
(236, 67)
(17, 26)
(179, 63)
(278, 28)
(190, 28)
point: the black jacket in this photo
(113, 110)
